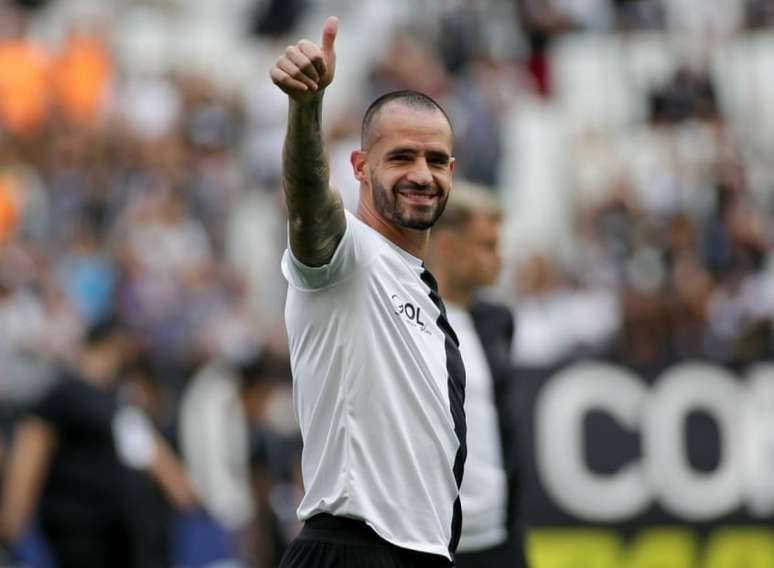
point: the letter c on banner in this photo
(559, 418)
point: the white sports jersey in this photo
(378, 387)
(484, 491)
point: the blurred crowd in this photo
(669, 194)
(153, 196)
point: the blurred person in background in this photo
(36, 327)
(543, 20)
(759, 14)
(264, 389)
(81, 77)
(465, 257)
(214, 443)
(38, 82)
(147, 388)
(25, 65)
(77, 465)
(639, 14)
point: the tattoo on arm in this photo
(315, 211)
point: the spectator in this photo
(77, 460)
(759, 14)
(263, 381)
(24, 75)
(82, 77)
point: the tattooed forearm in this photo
(315, 211)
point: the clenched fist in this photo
(306, 68)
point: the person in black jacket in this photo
(83, 463)
(465, 257)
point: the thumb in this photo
(329, 34)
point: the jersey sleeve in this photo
(351, 254)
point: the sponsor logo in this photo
(743, 413)
(410, 313)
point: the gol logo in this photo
(410, 312)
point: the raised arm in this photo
(315, 210)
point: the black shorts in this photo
(337, 542)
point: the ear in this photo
(452, 164)
(359, 161)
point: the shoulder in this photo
(56, 398)
(491, 313)
(492, 320)
(64, 384)
(71, 400)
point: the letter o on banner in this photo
(690, 494)
(559, 442)
(757, 418)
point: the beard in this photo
(389, 205)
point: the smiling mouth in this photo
(418, 197)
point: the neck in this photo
(413, 241)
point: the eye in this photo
(438, 159)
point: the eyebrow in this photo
(402, 150)
(432, 154)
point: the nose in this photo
(420, 173)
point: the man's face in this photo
(477, 259)
(409, 166)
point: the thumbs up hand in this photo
(305, 68)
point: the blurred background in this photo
(629, 141)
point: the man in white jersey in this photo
(378, 380)
(465, 256)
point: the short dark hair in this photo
(406, 97)
(466, 200)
